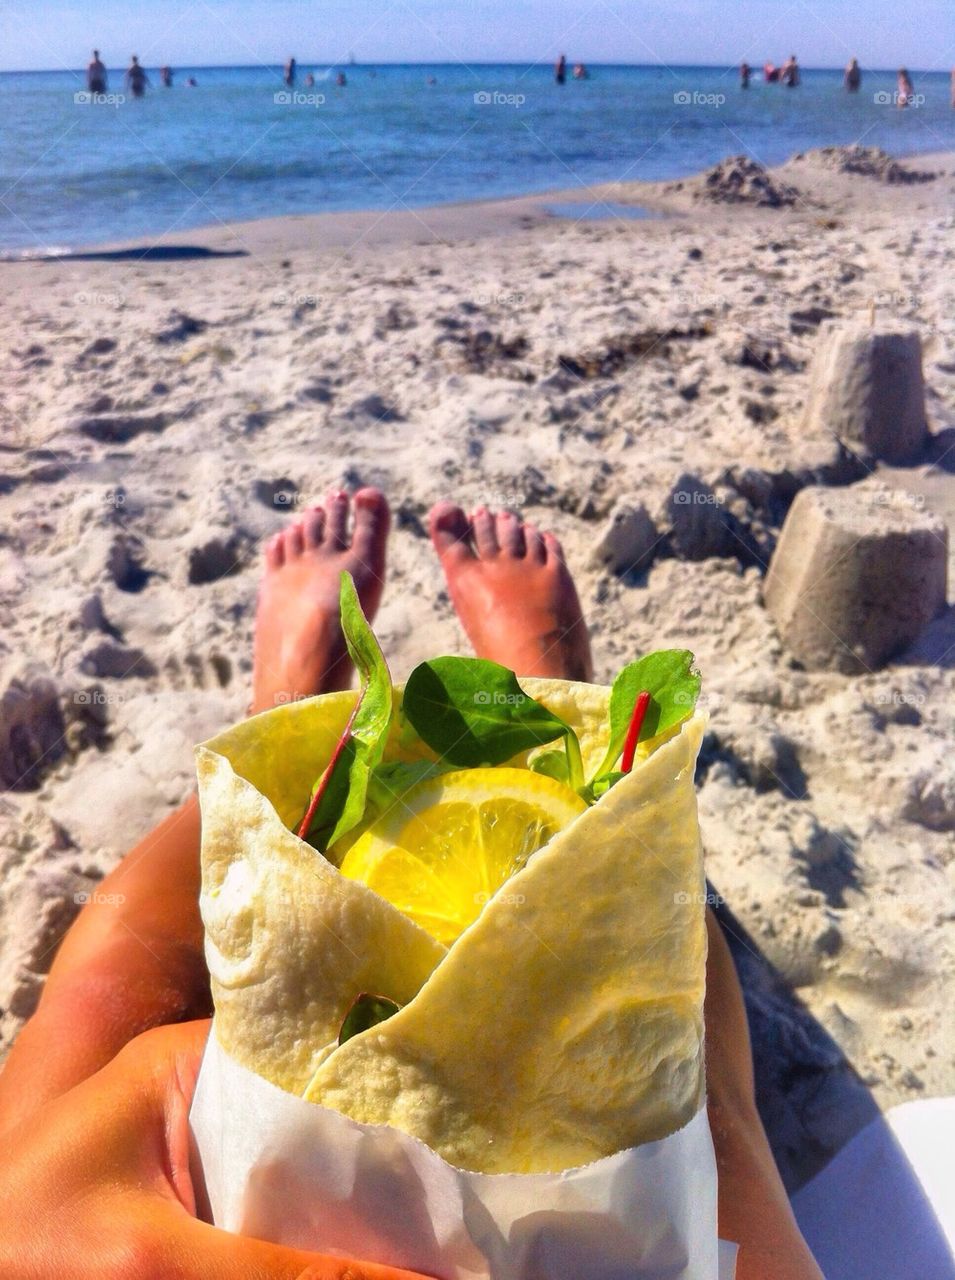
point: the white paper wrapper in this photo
(285, 1170)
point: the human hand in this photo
(96, 1184)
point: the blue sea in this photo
(238, 145)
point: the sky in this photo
(37, 34)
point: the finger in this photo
(206, 1253)
(170, 1058)
(167, 1062)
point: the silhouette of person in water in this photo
(789, 73)
(165, 76)
(309, 81)
(853, 76)
(136, 78)
(906, 89)
(96, 75)
(745, 71)
(580, 71)
(560, 69)
(340, 80)
(289, 73)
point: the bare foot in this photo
(299, 646)
(513, 592)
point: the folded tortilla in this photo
(564, 1025)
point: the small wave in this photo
(41, 251)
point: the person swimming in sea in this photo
(745, 71)
(906, 90)
(165, 77)
(853, 77)
(580, 71)
(136, 78)
(789, 72)
(560, 69)
(96, 75)
(288, 74)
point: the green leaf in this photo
(553, 764)
(601, 786)
(392, 778)
(342, 803)
(366, 1012)
(472, 712)
(673, 684)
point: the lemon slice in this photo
(446, 847)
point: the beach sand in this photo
(165, 414)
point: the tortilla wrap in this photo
(564, 1025)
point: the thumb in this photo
(194, 1250)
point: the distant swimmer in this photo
(853, 76)
(309, 80)
(580, 71)
(136, 78)
(192, 82)
(560, 69)
(789, 72)
(745, 71)
(906, 89)
(341, 80)
(771, 72)
(289, 72)
(432, 80)
(165, 77)
(96, 75)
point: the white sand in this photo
(345, 349)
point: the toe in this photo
(294, 541)
(450, 531)
(313, 525)
(510, 534)
(555, 552)
(274, 552)
(485, 535)
(536, 551)
(372, 520)
(336, 519)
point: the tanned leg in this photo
(518, 605)
(134, 958)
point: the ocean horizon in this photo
(240, 146)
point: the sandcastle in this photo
(857, 575)
(866, 388)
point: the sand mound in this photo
(739, 180)
(870, 162)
